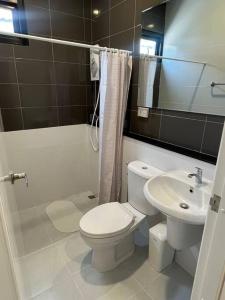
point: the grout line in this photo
(91, 22)
(165, 142)
(58, 11)
(49, 61)
(203, 136)
(109, 23)
(84, 25)
(160, 125)
(114, 34)
(143, 289)
(180, 117)
(53, 59)
(134, 31)
(48, 106)
(18, 87)
(52, 84)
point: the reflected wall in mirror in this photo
(189, 35)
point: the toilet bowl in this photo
(109, 228)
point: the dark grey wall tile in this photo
(142, 5)
(31, 72)
(35, 50)
(217, 119)
(38, 95)
(70, 73)
(182, 132)
(148, 127)
(72, 115)
(212, 138)
(125, 13)
(67, 26)
(101, 26)
(9, 96)
(71, 95)
(68, 6)
(12, 119)
(101, 5)
(105, 42)
(7, 71)
(38, 21)
(183, 114)
(38, 3)
(40, 117)
(87, 9)
(36, 63)
(89, 95)
(88, 31)
(137, 37)
(6, 50)
(132, 97)
(135, 71)
(115, 2)
(123, 40)
(70, 54)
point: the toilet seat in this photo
(106, 220)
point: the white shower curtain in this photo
(147, 71)
(114, 85)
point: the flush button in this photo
(145, 168)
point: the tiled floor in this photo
(34, 230)
(63, 271)
(55, 266)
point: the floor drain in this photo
(92, 197)
(184, 205)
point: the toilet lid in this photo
(106, 220)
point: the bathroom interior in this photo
(112, 149)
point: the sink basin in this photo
(176, 195)
(184, 202)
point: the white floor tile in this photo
(53, 234)
(65, 290)
(123, 290)
(75, 254)
(83, 203)
(40, 270)
(32, 231)
(140, 296)
(145, 274)
(172, 284)
(116, 284)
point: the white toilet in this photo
(108, 229)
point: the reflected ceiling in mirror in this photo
(188, 35)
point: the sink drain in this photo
(184, 205)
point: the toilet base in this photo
(109, 257)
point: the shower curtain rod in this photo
(176, 59)
(57, 41)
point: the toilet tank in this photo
(138, 173)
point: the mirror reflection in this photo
(182, 51)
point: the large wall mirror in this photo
(189, 35)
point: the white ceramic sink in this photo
(168, 191)
(184, 202)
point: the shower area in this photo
(42, 219)
(49, 158)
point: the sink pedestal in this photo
(182, 235)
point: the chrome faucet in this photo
(197, 175)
